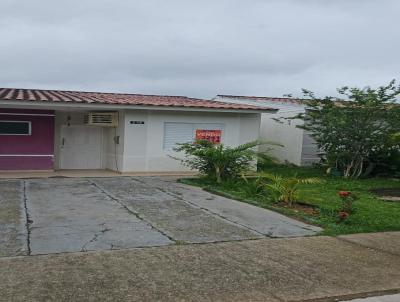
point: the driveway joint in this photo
(28, 221)
(376, 246)
(136, 214)
(208, 211)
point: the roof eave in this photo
(61, 105)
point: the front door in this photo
(81, 147)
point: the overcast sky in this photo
(199, 48)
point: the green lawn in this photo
(371, 214)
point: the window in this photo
(178, 133)
(15, 128)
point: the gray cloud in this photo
(199, 48)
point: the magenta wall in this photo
(40, 142)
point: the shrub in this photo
(284, 189)
(217, 160)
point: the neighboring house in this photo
(299, 148)
(49, 129)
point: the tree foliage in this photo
(357, 130)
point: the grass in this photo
(371, 214)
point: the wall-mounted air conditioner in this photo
(102, 119)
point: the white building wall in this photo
(285, 133)
(108, 146)
(143, 143)
(298, 147)
(310, 151)
(113, 158)
(141, 146)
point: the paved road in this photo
(56, 215)
(318, 268)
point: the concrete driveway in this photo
(56, 215)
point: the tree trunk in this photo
(347, 171)
(369, 169)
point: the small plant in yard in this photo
(347, 208)
(284, 189)
(218, 161)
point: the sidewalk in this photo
(389, 298)
(271, 270)
(85, 173)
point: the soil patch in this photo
(392, 194)
(300, 207)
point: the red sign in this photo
(213, 136)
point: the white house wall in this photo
(143, 143)
(141, 146)
(309, 154)
(285, 133)
(108, 147)
(113, 157)
(298, 147)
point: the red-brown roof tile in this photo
(263, 98)
(58, 96)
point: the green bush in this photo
(283, 189)
(218, 161)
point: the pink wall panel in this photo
(40, 142)
(26, 163)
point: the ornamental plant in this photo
(284, 189)
(218, 161)
(347, 207)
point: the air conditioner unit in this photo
(102, 119)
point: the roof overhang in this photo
(96, 106)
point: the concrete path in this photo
(272, 270)
(56, 215)
(265, 222)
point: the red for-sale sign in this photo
(213, 136)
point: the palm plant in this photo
(285, 189)
(220, 161)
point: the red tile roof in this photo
(71, 97)
(263, 98)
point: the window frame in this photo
(13, 134)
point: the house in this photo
(299, 147)
(52, 130)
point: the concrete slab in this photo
(82, 214)
(170, 214)
(263, 221)
(70, 215)
(295, 269)
(388, 241)
(13, 233)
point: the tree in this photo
(219, 161)
(352, 131)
